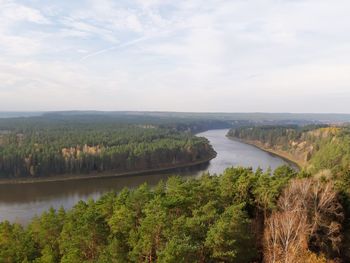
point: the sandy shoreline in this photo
(283, 155)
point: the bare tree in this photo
(308, 217)
(284, 237)
(326, 217)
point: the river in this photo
(20, 202)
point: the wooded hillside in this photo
(326, 150)
(37, 147)
(317, 148)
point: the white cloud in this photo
(15, 13)
(268, 55)
(12, 16)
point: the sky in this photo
(183, 55)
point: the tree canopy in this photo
(41, 148)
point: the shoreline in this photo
(111, 174)
(282, 155)
(106, 174)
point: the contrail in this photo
(126, 44)
(129, 43)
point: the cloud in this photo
(87, 30)
(12, 17)
(14, 13)
(268, 55)
(123, 45)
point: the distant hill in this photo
(16, 114)
(310, 117)
(256, 117)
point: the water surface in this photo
(19, 203)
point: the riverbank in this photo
(70, 177)
(21, 202)
(285, 156)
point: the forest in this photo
(326, 149)
(41, 147)
(239, 216)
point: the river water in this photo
(19, 203)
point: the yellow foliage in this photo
(314, 258)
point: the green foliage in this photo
(272, 134)
(328, 159)
(330, 146)
(333, 154)
(84, 234)
(16, 244)
(45, 231)
(64, 147)
(205, 220)
(230, 238)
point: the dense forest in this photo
(42, 146)
(325, 150)
(239, 216)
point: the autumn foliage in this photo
(309, 218)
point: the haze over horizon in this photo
(150, 55)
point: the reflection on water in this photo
(19, 203)
(234, 153)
